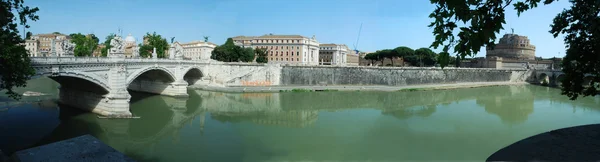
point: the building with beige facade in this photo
(287, 49)
(514, 47)
(332, 54)
(98, 51)
(40, 45)
(512, 51)
(197, 50)
(337, 54)
(352, 58)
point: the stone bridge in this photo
(101, 85)
(554, 77)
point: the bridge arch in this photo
(543, 78)
(153, 72)
(192, 75)
(82, 80)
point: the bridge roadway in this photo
(101, 85)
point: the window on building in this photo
(297, 59)
(286, 53)
(286, 59)
(287, 47)
(297, 53)
(276, 53)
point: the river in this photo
(461, 124)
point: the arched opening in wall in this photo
(192, 76)
(559, 80)
(544, 79)
(587, 81)
(154, 81)
(80, 93)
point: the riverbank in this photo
(355, 87)
(579, 143)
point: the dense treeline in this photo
(419, 57)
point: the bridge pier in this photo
(110, 105)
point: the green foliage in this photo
(229, 52)
(386, 53)
(154, 41)
(28, 35)
(484, 19)
(84, 44)
(426, 56)
(261, 55)
(372, 57)
(107, 45)
(405, 52)
(15, 64)
(581, 25)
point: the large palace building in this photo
(512, 47)
(289, 49)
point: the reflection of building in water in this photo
(513, 108)
(420, 111)
(294, 119)
(260, 108)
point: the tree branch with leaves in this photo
(15, 64)
(483, 19)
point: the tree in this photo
(403, 52)
(154, 41)
(229, 52)
(28, 35)
(84, 44)
(15, 64)
(261, 55)
(371, 57)
(107, 45)
(580, 24)
(387, 53)
(246, 54)
(426, 56)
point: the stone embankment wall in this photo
(248, 75)
(395, 76)
(241, 74)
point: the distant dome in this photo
(130, 39)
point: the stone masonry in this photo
(101, 85)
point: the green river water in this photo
(457, 125)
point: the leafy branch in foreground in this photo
(481, 20)
(15, 64)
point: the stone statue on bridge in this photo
(176, 51)
(64, 48)
(118, 48)
(135, 52)
(154, 55)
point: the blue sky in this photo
(386, 23)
